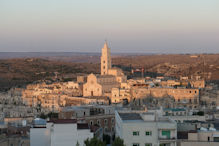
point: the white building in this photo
(59, 133)
(145, 129)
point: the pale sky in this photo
(139, 26)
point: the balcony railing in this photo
(167, 138)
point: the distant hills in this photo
(18, 69)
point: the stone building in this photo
(100, 115)
(101, 85)
(105, 59)
(179, 94)
(120, 94)
(197, 83)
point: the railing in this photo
(166, 138)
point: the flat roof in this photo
(138, 117)
(130, 116)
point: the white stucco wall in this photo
(59, 135)
(68, 135)
(39, 137)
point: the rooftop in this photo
(64, 121)
(84, 107)
(130, 116)
(39, 121)
(174, 109)
(143, 117)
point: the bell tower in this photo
(105, 59)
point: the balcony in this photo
(167, 138)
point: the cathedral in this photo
(101, 85)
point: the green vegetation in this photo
(94, 142)
(77, 144)
(200, 113)
(118, 142)
(50, 115)
(106, 138)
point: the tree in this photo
(94, 142)
(77, 144)
(118, 142)
(200, 113)
(43, 116)
(106, 138)
(53, 115)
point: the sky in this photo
(130, 26)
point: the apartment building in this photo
(145, 129)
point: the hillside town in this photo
(141, 111)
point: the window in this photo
(195, 100)
(166, 133)
(148, 133)
(112, 121)
(105, 129)
(112, 129)
(148, 144)
(105, 121)
(135, 133)
(98, 122)
(136, 144)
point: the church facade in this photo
(101, 85)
